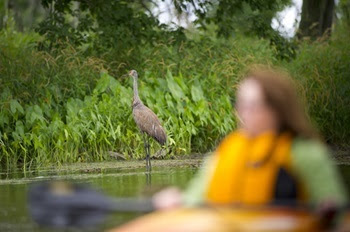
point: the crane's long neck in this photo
(136, 92)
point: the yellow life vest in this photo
(246, 168)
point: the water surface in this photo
(117, 183)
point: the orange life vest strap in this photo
(247, 168)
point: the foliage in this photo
(102, 24)
(323, 71)
(235, 17)
(84, 126)
(124, 25)
(344, 11)
(90, 127)
(66, 106)
(31, 75)
(25, 13)
(249, 16)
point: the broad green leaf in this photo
(197, 93)
(174, 88)
(16, 107)
(102, 83)
(20, 128)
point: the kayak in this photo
(224, 220)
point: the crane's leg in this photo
(148, 158)
(146, 145)
(148, 179)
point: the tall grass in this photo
(67, 106)
(322, 69)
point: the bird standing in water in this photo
(146, 121)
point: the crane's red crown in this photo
(133, 73)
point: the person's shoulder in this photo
(309, 149)
(229, 141)
(234, 135)
(239, 133)
(308, 144)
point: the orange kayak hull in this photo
(223, 220)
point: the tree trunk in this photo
(316, 18)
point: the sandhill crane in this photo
(146, 121)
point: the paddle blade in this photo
(61, 204)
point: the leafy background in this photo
(65, 98)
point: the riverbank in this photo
(89, 169)
(80, 171)
(341, 155)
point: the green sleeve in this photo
(195, 192)
(315, 168)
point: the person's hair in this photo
(281, 95)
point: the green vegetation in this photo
(69, 101)
(54, 122)
(323, 71)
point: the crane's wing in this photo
(149, 123)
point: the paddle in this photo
(61, 204)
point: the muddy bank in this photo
(341, 157)
(124, 165)
(81, 171)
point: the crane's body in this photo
(146, 121)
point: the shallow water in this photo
(126, 183)
(129, 182)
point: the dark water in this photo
(128, 183)
(345, 172)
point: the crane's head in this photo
(133, 73)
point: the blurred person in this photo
(275, 156)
